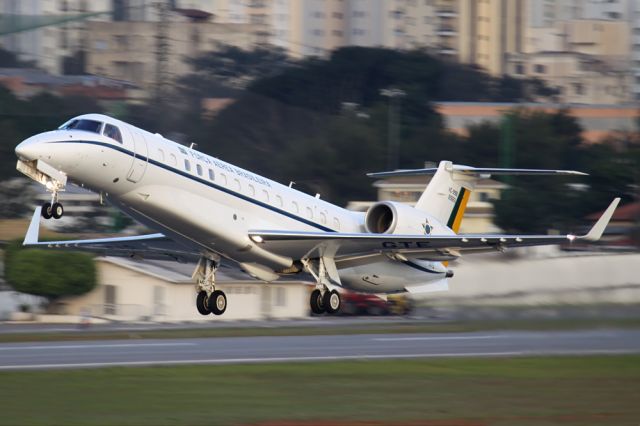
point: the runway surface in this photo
(105, 353)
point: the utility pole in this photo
(393, 126)
(162, 51)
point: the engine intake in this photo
(389, 217)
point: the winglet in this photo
(596, 232)
(31, 238)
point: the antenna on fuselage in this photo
(291, 184)
(193, 145)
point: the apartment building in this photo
(51, 47)
(127, 50)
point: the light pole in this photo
(393, 126)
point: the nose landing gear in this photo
(54, 208)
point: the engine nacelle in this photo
(388, 217)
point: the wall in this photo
(499, 279)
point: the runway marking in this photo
(316, 358)
(113, 345)
(402, 339)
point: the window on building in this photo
(540, 69)
(578, 88)
(520, 69)
(280, 297)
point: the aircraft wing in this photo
(150, 246)
(365, 247)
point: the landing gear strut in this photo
(209, 300)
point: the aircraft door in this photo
(140, 157)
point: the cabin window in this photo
(161, 155)
(199, 169)
(236, 184)
(223, 178)
(252, 190)
(187, 165)
(173, 160)
(323, 218)
(278, 201)
(336, 223)
(294, 207)
(211, 175)
(112, 132)
(265, 195)
(309, 213)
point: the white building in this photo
(130, 290)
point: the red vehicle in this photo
(368, 304)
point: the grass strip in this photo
(501, 391)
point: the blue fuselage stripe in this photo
(200, 180)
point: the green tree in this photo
(51, 274)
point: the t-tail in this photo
(447, 194)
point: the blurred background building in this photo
(588, 49)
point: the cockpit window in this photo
(82, 124)
(112, 132)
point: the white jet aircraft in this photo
(206, 210)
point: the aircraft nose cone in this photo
(30, 149)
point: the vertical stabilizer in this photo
(447, 195)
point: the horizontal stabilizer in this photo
(476, 171)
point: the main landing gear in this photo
(325, 297)
(328, 302)
(209, 300)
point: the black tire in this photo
(46, 212)
(316, 302)
(331, 301)
(217, 302)
(57, 211)
(201, 303)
